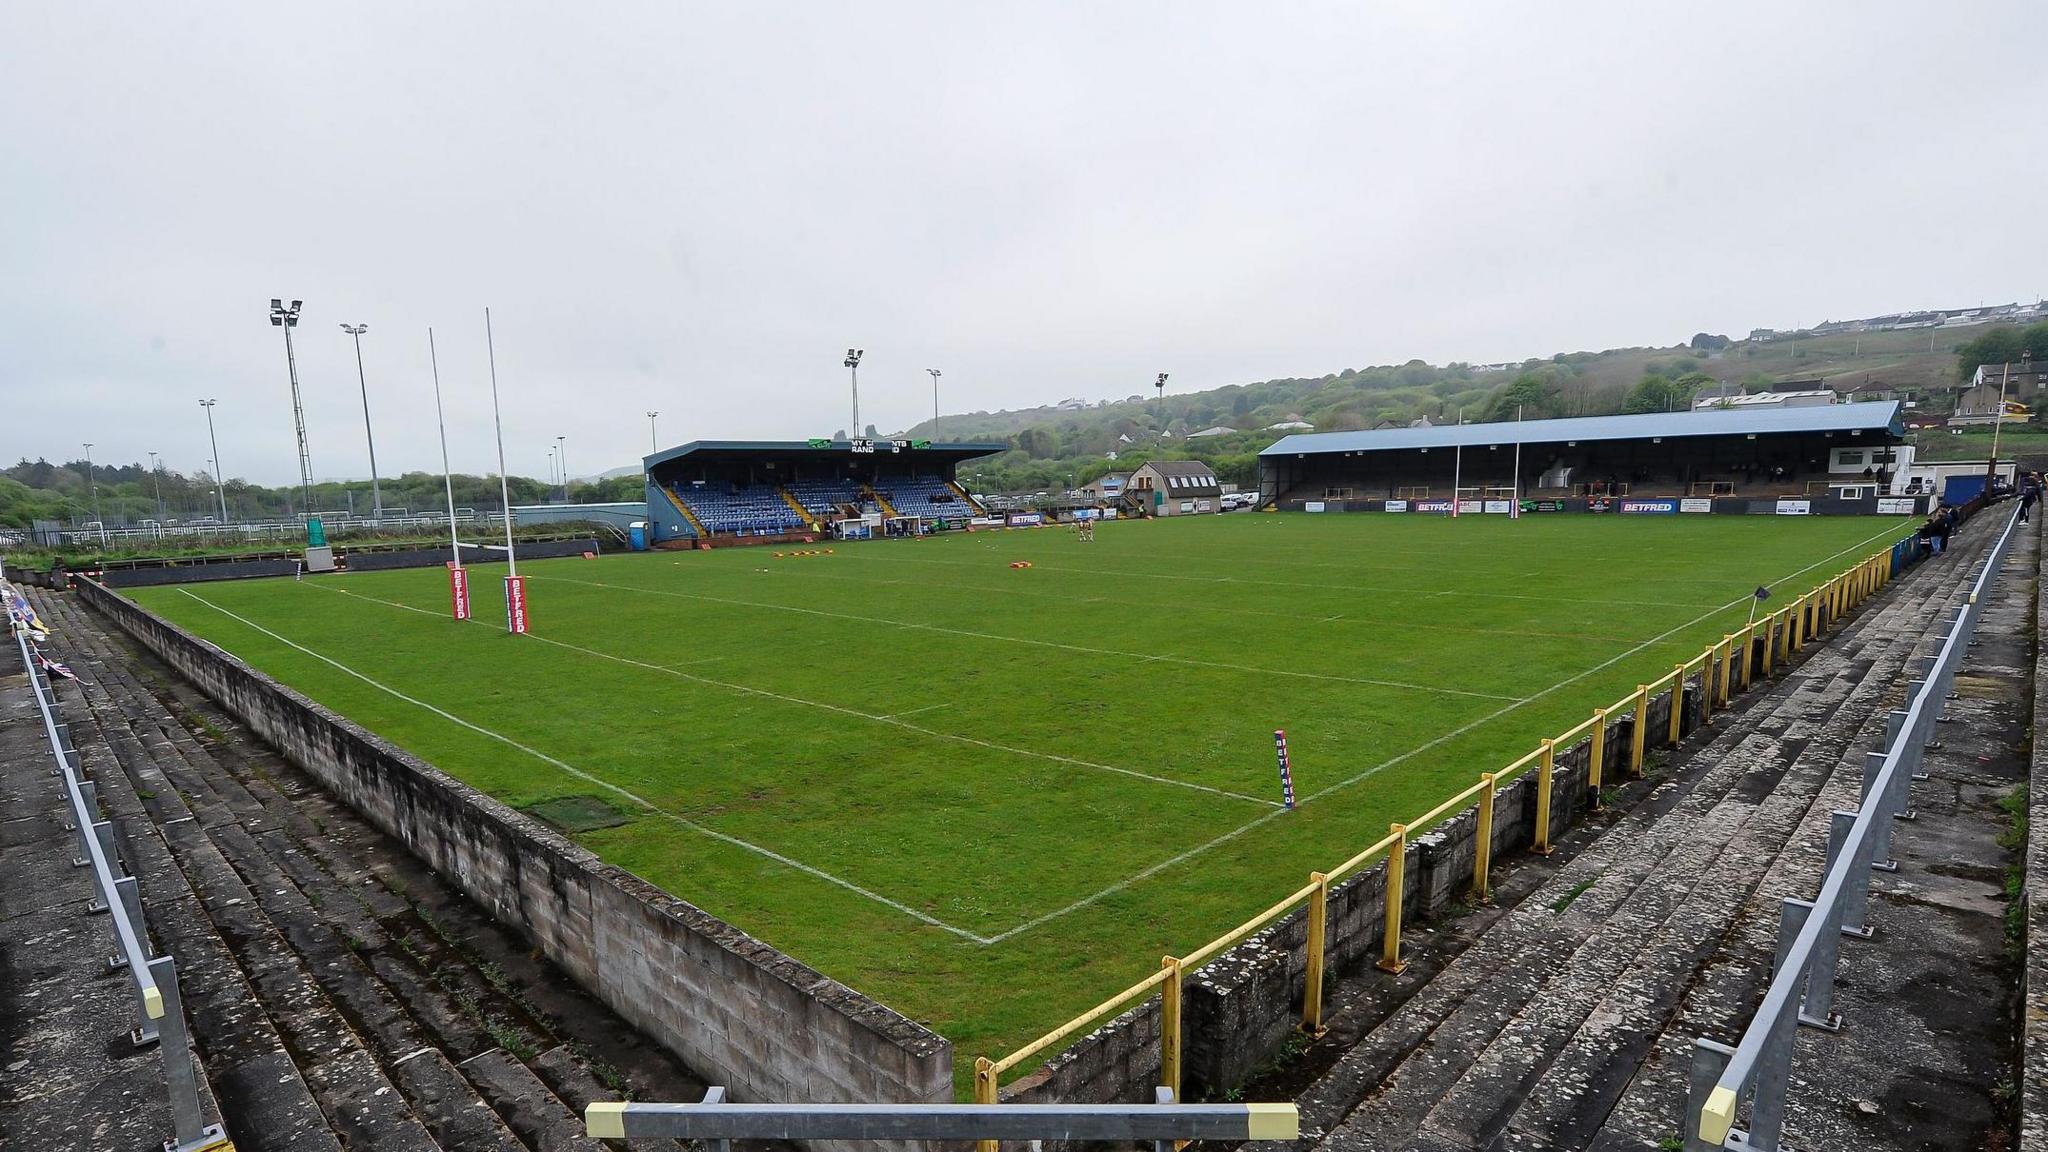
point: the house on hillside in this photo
(1217, 430)
(1176, 487)
(1107, 488)
(1293, 423)
(2024, 379)
(1979, 404)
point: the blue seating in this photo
(923, 496)
(754, 510)
(821, 497)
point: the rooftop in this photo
(1880, 417)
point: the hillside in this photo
(1050, 445)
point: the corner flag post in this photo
(515, 588)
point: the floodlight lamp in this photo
(276, 305)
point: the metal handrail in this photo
(161, 1009)
(86, 820)
(1810, 933)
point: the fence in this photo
(1810, 933)
(159, 1009)
(1654, 715)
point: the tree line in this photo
(133, 493)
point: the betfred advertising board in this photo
(1650, 507)
(1430, 506)
(1026, 519)
(515, 604)
(458, 591)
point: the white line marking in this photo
(1029, 641)
(1349, 588)
(1241, 829)
(854, 712)
(598, 781)
(1197, 606)
(915, 711)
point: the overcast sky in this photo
(697, 208)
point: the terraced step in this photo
(1528, 1038)
(360, 957)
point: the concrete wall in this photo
(734, 1009)
(196, 571)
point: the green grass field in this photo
(991, 797)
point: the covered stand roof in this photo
(1881, 417)
(818, 451)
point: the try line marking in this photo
(1419, 749)
(1028, 640)
(600, 782)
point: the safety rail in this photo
(1810, 933)
(159, 1008)
(717, 1123)
(1763, 644)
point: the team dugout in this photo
(1839, 458)
(730, 491)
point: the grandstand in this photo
(1835, 459)
(713, 491)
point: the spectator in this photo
(1930, 533)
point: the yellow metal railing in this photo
(1731, 663)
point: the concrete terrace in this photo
(341, 996)
(1564, 1019)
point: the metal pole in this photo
(291, 363)
(94, 488)
(1515, 491)
(447, 481)
(504, 487)
(376, 492)
(219, 485)
(653, 437)
(935, 402)
(1997, 425)
(852, 363)
(156, 474)
(562, 458)
(1457, 466)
